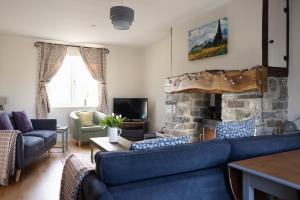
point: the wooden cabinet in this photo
(134, 131)
(275, 37)
(277, 33)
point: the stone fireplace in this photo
(185, 111)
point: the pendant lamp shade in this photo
(121, 17)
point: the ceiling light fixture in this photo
(121, 17)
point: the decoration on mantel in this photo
(220, 81)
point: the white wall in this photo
(157, 59)
(19, 72)
(294, 76)
(245, 28)
(244, 42)
(124, 73)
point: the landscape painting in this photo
(208, 40)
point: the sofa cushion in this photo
(235, 129)
(33, 146)
(249, 147)
(22, 121)
(44, 124)
(88, 129)
(48, 136)
(207, 184)
(93, 188)
(86, 118)
(115, 168)
(12, 121)
(159, 143)
(5, 123)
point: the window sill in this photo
(69, 107)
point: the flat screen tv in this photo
(134, 109)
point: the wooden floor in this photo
(41, 179)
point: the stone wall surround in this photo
(184, 111)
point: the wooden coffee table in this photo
(103, 144)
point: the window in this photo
(73, 85)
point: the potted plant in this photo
(113, 123)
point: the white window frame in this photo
(73, 85)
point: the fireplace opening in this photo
(215, 108)
(206, 127)
(188, 113)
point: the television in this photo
(134, 109)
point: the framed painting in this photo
(208, 40)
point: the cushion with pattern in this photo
(236, 129)
(159, 143)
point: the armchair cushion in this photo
(33, 146)
(91, 129)
(86, 118)
(22, 121)
(5, 123)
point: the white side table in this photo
(64, 131)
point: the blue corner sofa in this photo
(31, 145)
(191, 171)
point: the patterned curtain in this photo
(51, 57)
(95, 60)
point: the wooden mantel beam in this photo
(220, 81)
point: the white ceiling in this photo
(71, 20)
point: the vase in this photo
(113, 133)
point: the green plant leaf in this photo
(114, 121)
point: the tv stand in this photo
(134, 130)
(135, 120)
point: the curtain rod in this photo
(38, 43)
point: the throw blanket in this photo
(73, 173)
(8, 141)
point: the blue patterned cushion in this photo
(236, 129)
(158, 143)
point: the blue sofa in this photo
(191, 171)
(31, 145)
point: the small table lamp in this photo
(3, 101)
